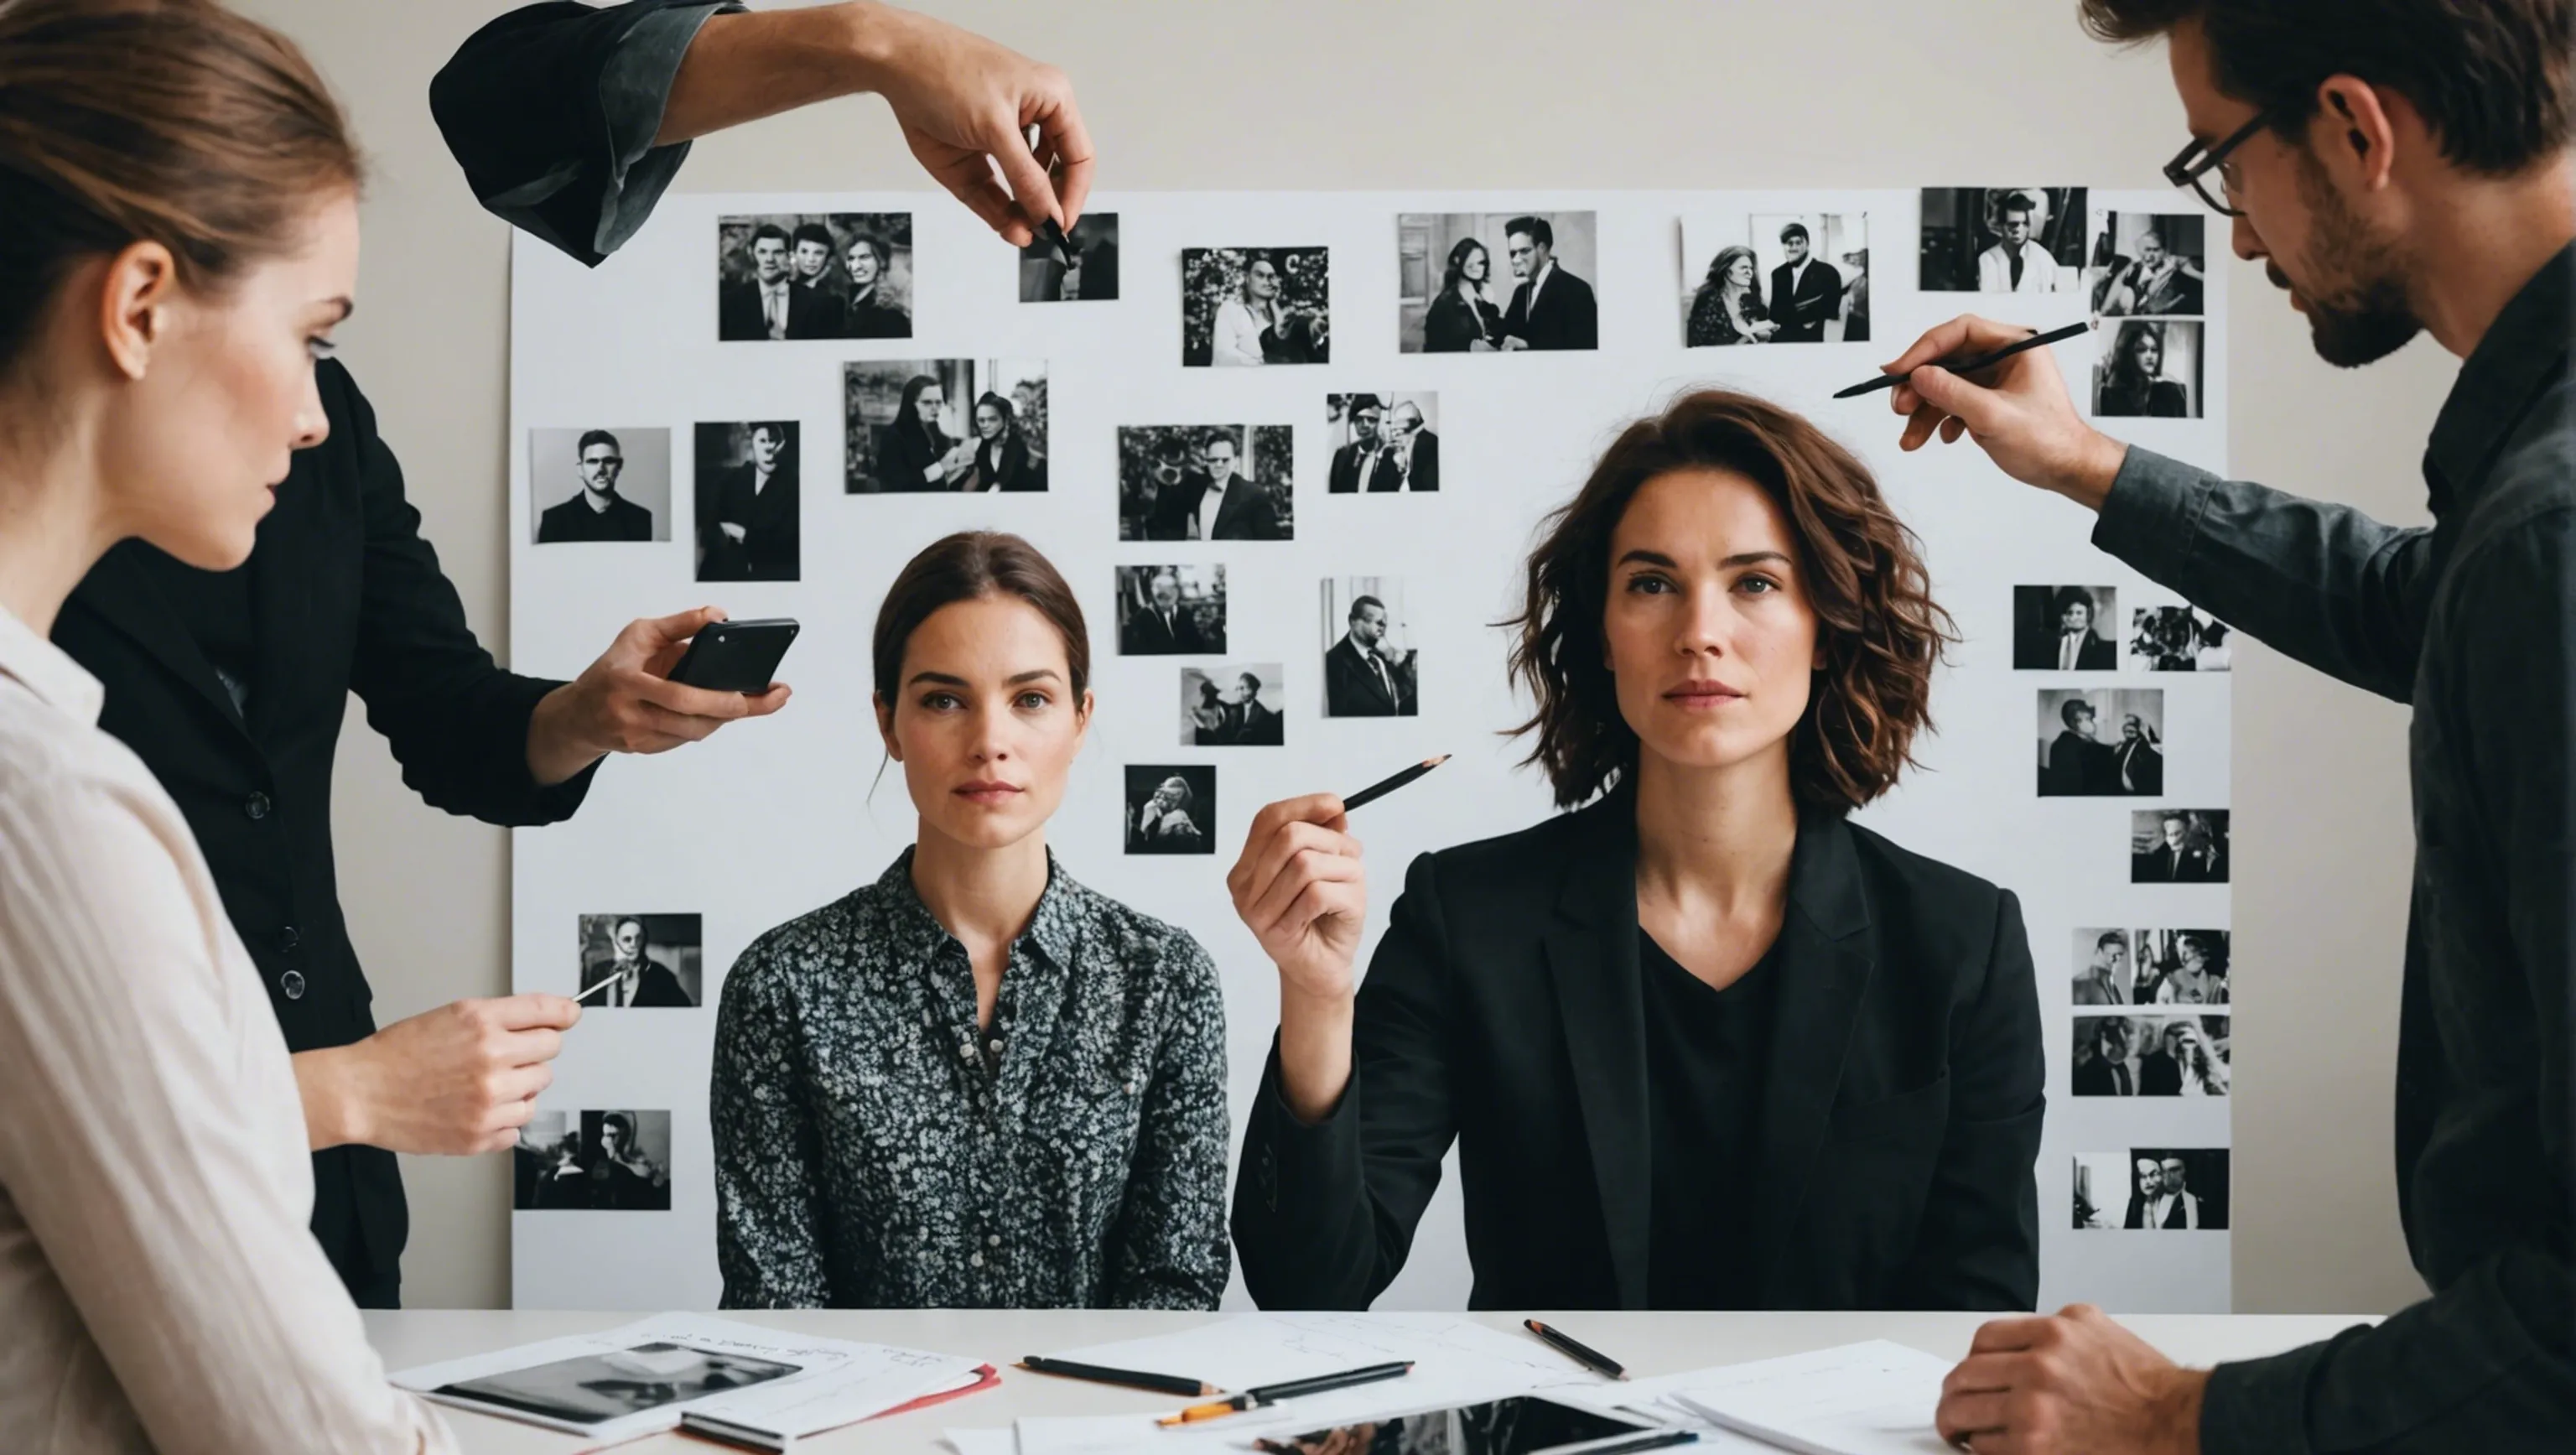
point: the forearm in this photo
(559, 747)
(743, 67)
(335, 1107)
(1314, 1052)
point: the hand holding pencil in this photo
(2020, 414)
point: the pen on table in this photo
(1970, 366)
(1590, 1358)
(1385, 786)
(1137, 1379)
(1290, 1389)
(1651, 1440)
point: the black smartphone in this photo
(735, 656)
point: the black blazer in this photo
(2145, 768)
(1344, 478)
(810, 313)
(1015, 469)
(1426, 463)
(1503, 1010)
(654, 986)
(1145, 635)
(1451, 324)
(869, 317)
(1250, 511)
(574, 520)
(1352, 687)
(1801, 311)
(346, 597)
(769, 548)
(1566, 317)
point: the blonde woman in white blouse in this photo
(181, 237)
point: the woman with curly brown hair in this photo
(1702, 1043)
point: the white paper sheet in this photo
(1875, 1398)
(1000, 1441)
(879, 1379)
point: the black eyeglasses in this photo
(2194, 165)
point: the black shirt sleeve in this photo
(551, 111)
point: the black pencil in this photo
(1591, 1358)
(1970, 366)
(1159, 1383)
(1385, 786)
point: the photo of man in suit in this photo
(1219, 505)
(2061, 629)
(1414, 449)
(2079, 763)
(2017, 263)
(2157, 281)
(597, 512)
(638, 978)
(1364, 464)
(748, 519)
(2107, 1071)
(2179, 855)
(1249, 724)
(1551, 308)
(2139, 767)
(769, 305)
(2166, 1202)
(1365, 676)
(1805, 292)
(1164, 627)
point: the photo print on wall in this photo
(1203, 482)
(748, 511)
(1252, 306)
(1496, 282)
(1170, 611)
(814, 275)
(1171, 808)
(2003, 239)
(963, 426)
(1382, 443)
(1775, 278)
(595, 484)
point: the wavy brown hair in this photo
(1877, 628)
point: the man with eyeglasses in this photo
(597, 512)
(2400, 166)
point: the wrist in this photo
(558, 747)
(1314, 1051)
(2177, 1412)
(335, 1110)
(872, 42)
(2087, 480)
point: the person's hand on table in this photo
(2077, 1383)
(626, 703)
(966, 103)
(2022, 418)
(455, 1081)
(1302, 891)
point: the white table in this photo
(1648, 1343)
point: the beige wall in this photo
(1458, 93)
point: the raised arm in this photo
(770, 1233)
(1168, 1245)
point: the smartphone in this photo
(735, 656)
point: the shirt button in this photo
(292, 984)
(993, 1046)
(257, 805)
(288, 939)
(975, 1258)
(1131, 1088)
(992, 1240)
(966, 1052)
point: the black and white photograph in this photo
(962, 426)
(1170, 611)
(1080, 266)
(2150, 1055)
(1243, 306)
(2148, 264)
(2105, 971)
(2149, 369)
(814, 275)
(2066, 629)
(2178, 846)
(2115, 967)
(1775, 278)
(749, 517)
(2101, 742)
(2178, 639)
(641, 960)
(593, 1161)
(1171, 808)
(2003, 239)
(591, 1389)
(1496, 282)
(600, 484)
(1206, 482)
(1234, 705)
(2152, 1189)
(1370, 663)
(1383, 443)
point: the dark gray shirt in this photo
(2473, 623)
(875, 1150)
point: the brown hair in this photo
(963, 567)
(1878, 630)
(168, 121)
(2490, 76)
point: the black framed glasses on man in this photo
(2196, 165)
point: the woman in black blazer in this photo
(1462, 319)
(1704, 1043)
(1002, 459)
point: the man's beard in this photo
(2362, 322)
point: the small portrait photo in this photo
(2147, 264)
(593, 1160)
(2066, 629)
(2152, 1189)
(1080, 267)
(1496, 282)
(2003, 239)
(2178, 846)
(640, 960)
(2101, 742)
(1206, 482)
(1383, 443)
(2106, 972)
(1170, 611)
(1236, 705)
(2152, 370)
(748, 516)
(1171, 808)
(2177, 639)
(955, 425)
(2150, 1055)
(2181, 967)
(590, 1389)
(809, 275)
(600, 484)
(1255, 306)
(1775, 278)
(1370, 662)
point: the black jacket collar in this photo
(2523, 351)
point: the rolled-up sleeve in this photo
(552, 109)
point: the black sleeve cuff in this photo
(530, 804)
(1290, 1166)
(2260, 1407)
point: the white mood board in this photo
(771, 819)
